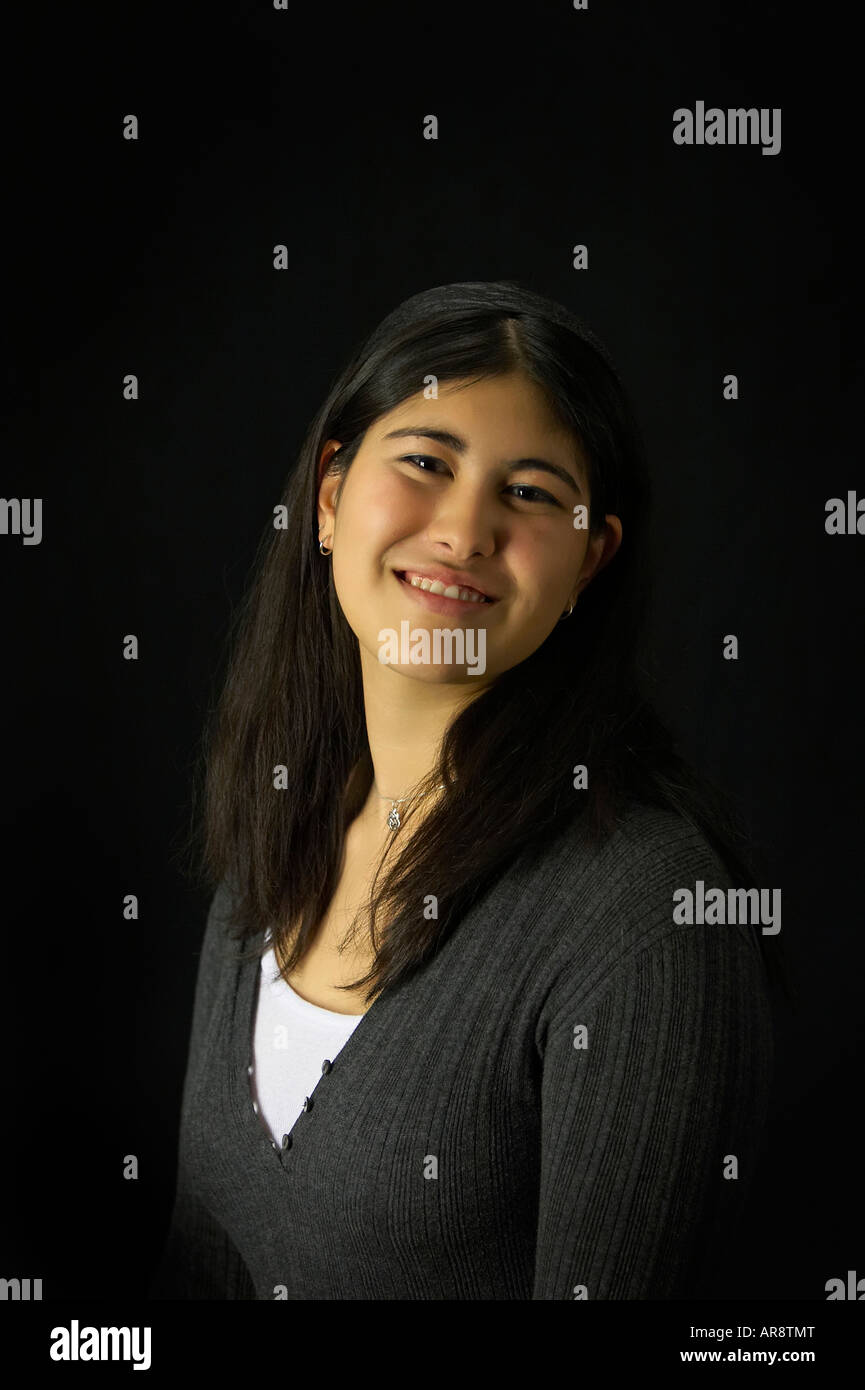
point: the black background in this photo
(260, 127)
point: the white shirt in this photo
(292, 1039)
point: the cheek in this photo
(382, 511)
(543, 570)
(372, 518)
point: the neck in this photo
(406, 720)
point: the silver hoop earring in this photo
(569, 612)
(323, 549)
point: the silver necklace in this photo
(393, 820)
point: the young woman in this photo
(452, 1038)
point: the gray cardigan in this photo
(469, 1141)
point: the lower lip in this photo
(437, 603)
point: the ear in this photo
(601, 550)
(328, 487)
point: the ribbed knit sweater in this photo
(566, 1101)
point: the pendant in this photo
(393, 819)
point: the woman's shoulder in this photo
(221, 942)
(608, 903)
(647, 845)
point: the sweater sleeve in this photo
(651, 1119)
(198, 1259)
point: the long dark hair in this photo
(293, 694)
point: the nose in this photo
(463, 522)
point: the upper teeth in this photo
(435, 586)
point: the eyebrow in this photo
(458, 445)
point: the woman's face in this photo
(471, 509)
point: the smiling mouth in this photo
(438, 589)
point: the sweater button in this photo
(286, 1141)
(249, 1071)
(255, 1107)
(307, 1102)
(326, 1066)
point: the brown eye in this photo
(540, 495)
(422, 458)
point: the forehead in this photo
(497, 413)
